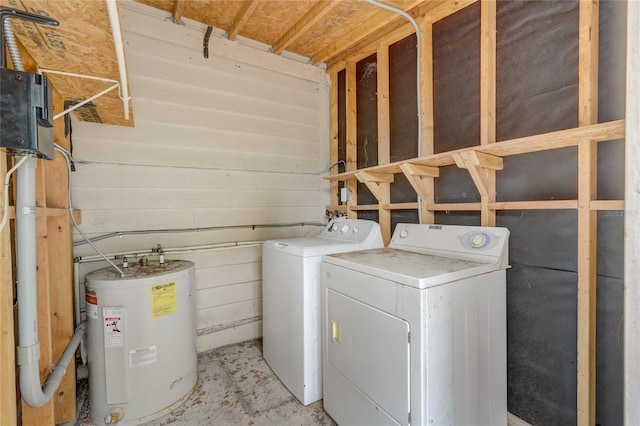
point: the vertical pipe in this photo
(26, 251)
(114, 19)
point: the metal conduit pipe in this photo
(28, 353)
(418, 70)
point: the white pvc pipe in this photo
(28, 353)
(114, 19)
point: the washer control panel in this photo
(350, 229)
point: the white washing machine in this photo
(291, 327)
(415, 334)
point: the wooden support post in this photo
(587, 218)
(333, 152)
(352, 136)
(487, 108)
(60, 242)
(427, 143)
(384, 140)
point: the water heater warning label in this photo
(163, 299)
(142, 356)
(113, 327)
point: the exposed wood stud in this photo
(241, 18)
(587, 218)
(352, 136)
(318, 11)
(333, 152)
(384, 139)
(177, 11)
(487, 109)
(424, 181)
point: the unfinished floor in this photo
(235, 387)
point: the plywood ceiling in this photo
(325, 31)
(321, 30)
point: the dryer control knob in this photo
(344, 229)
(478, 240)
(404, 233)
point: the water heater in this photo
(141, 341)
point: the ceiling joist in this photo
(243, 16)
(314, 15)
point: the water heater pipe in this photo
(28, 353)
(114, 19)
(418, 71)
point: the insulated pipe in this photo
(418, 70)
(114, 19)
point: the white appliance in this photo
(415, 334)
(141, 341)
(291, 303)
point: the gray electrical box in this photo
(26, 113)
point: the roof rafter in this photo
(243, 15)
(315, 14)
(378, 21)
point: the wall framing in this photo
(55, 287)
(483, 160)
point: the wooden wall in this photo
(240, 138)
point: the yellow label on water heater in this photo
(163, 299)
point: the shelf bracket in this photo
(417, 175)
(373, 180)
(479, 165)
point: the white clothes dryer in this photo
(415, 334)
(291, 327)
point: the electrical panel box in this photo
(26, 113)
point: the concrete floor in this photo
(235, 387)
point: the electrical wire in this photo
(7, 180)
(69, 160)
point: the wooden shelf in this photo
(596, 205)
(601, 132)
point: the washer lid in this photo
(410, 268)
(316, 246)
(339, 236)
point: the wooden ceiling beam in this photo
(177, 11)
(243, 15)
(320, 9)
(375, 23)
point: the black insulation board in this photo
(537, 92)
(456, 75)
(456, 97)
(403, 122)
(537, 77)
(367, 120)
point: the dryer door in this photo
(370, 350)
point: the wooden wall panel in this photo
(237, 139)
